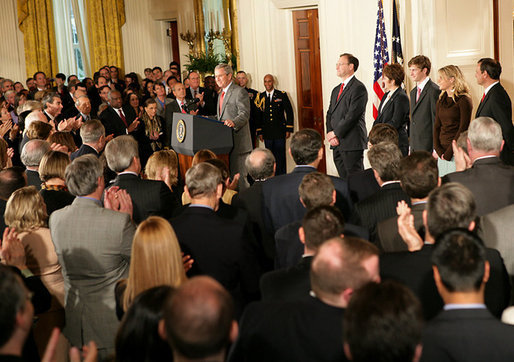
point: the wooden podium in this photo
(189, 134)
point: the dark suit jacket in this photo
(254, 113)
(414, 269)
(471, 335)
(84, 150)
(301, 330)
(33, 179)
(396, 113)
(251, 201)
(282, 202)
(498, 106)
(149, 197)
(220, 249)
(389, 240)
(287, 284)
(362, 185)
(379, 206)
(422, 116)
(289, 248)
(113, 123)
(172, 107)
(490, 181)
(3, 204)
(277, 116)
(346, 116)
(56, 199)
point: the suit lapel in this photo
(225, 99)
(422, 95)
(345, 91)
(481, 104)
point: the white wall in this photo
(12, 51)
(439, 29)
(145, 43)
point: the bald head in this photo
(269, 82)
(342, 266)
(260, 164)
(198, 318)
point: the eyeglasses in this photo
(342, 64)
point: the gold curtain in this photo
(36, 21)
(105, 19)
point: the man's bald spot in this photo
(257, 158)
(268, 76)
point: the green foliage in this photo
(204, 63)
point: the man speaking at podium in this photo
(234, 111)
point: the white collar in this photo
(225, 90)
(347, 80)
(423, 83)
(270, 94)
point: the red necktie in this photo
(182, 107)
(122, 116)
(221, 101)
(340, 91)
(482, 98)
(419, 93)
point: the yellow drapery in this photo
(35, 19)
(104, 19)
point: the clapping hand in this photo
(406, 227)
(131, 127)
(89, 352)
(12, 250)
(118, 200)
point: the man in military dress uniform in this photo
(276, 121)
(242, 80)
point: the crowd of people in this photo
(110, 254)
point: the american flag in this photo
(397, 41)
(380, 58)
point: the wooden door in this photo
(308, 73)
(174, 42)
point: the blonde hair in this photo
(63, 139)
(25, 210)
(53, 165)
(156, 259)
(460, 86)
(160, 159)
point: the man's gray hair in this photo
(30, 105)
(49, 98)
(32, 117)
(10, 91)
(227, 68)
(82, 175)
(91, 131)
(260, 164)
(77, 102)
(33, 151)
(485, 134)
(203, 179)
(120, 152)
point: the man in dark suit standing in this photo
(276, 122)
(422, 105)
(281, 200)
(496, 104)
(234, 112)
(489, 179)
(31, 156)
(149, 197)
(319, 224)
(118, 120)
(260, 165)
(218, 246)
(346, 128)
(310, 328)
(93, 139)
(449, 206)
(418, 176)
(385, 162)
(465, 330)
(242, 80)
(177, 105)
(195, 91)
